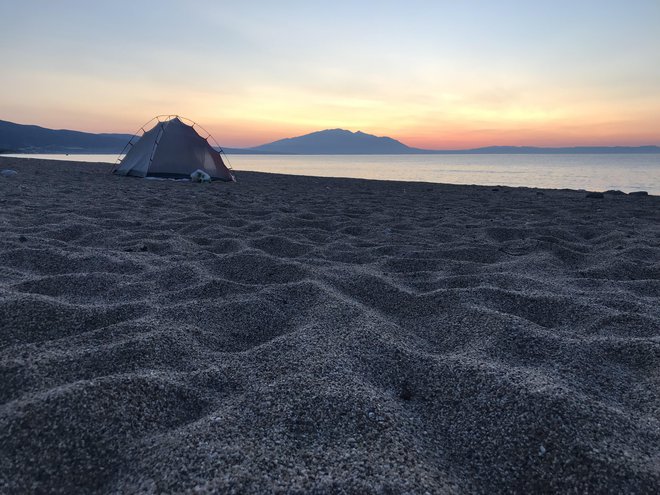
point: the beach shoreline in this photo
(326, 335)
(595, 172)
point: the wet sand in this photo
(310, 335)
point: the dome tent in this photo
(172, 148)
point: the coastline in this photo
(594, 172)
(317, 334)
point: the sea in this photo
(592, 172)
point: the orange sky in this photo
(431, 74)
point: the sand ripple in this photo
(297, 335)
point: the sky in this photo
(434, 74)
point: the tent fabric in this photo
(173, 149)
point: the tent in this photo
(172, 148)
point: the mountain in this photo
(342, 142)
(336, 142)
(20, 138)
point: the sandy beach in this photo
(313, 335)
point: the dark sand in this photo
(302, 335)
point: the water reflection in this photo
(601, 172)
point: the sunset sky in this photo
(433, 74)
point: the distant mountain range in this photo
(522, 150)
(343, 142)
(336, 141)
(18, 138)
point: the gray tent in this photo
(173, 149)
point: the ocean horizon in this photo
(594, 172)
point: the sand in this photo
(310, 335)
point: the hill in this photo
(336, 142)
(19, 138)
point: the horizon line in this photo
(478, 147)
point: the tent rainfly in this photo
(173, 149)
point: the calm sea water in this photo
(592, 172)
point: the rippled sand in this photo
(294, 334)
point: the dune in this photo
(312, 335)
